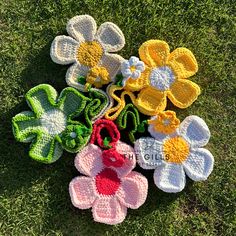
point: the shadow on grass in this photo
(20, 172)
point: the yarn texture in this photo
(177, 153)
(90, 51)
(109, 186)
(165, 75)
(51, 125)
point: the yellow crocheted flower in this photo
(165, 76)
(98, 76)
(165, 122)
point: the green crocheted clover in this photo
(51, 125)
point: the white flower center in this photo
(162, 78)
(53, 121)
(73, 135)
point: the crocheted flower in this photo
(165, 76)
(164, 123)
(132, 69)
(176, 154)
(98, 76)
(50, 126)
(87, 47)
(108, 188)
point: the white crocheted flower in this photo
(176, 154)
(87, 47)
(132, 68)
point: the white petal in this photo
(199, 164)
(170, 178)
(63, 50)
(133, 61)
(112, 63)
(82, 28)
(195, 131)
(111, 37)
(126, 73)
(136, 74)
(125, 65)
(149, 152)
(73, 73)
(140, 66)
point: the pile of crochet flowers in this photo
(113, 114)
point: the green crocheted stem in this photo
(51, 114)
(129, 117)
(119, 79)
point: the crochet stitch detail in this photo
(87, 47)
(49, 125)
(176, 154)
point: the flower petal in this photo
(157, 135)
(71, 102)
(130, 158)
(136, 74)
(111, 37)
(73, 74)
(25, 126)
(63, 50)
(183, 93)
(199, 164)
(41, 98)
(140, 66)
(183, 62)
(112, 63)
(133, 190)
(195, 131)
(82, 192)
(108, 211)
(89, 160)
(82, 28)
(45, 149)
(133, 61)
(149, 152)
(150, 101)
(154, 52)
(170, 178)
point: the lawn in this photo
(34, 197)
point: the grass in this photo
(34, 197)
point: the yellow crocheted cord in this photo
(181, 64)
(98, 76)
(114, 112)
(89, 53)
(166, 122)
(176, 150)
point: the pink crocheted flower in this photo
(108, 189)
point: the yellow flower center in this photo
(132, 68)
(176, 150)
(89, 53)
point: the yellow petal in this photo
(154, 52)
(183, 62)
(183, 93)
(151, 101)
(138, 84)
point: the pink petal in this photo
(130, 159)
(133, 190)
(89, 160)
(82, 192)
(108, 210)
